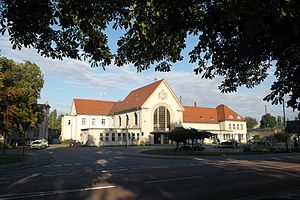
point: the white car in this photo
(39, 144)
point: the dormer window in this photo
(201, 117)
(238, 117)
(211, 118)
(230, 117)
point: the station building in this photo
(146, 116)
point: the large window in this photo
(93, 121)
(103, 122)
(120, 121)
(127, 120)
(161, 119)
(135, 119)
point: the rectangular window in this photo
(229, 126)
(83, 121)
(226, 136)
(242, 127)
(138, 136)
(241, 137)
(93, 121)
(119, 137)
(133, 136)
(107, 137)
(233, 126)
(238, 127)
(103, 122)
(101, 136)
(124, 137)
(113, 137)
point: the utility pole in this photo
(284, 131)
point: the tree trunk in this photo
(4, 143)
(177, 145)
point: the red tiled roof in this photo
(221, 113)
(93, 107)
(193, 114)
(226, 113)
(135, 98)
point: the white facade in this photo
(160, 111)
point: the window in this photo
(93, 121)
(233, 126)
(103, 122)
(119, 137)
(241, 137)
(83, 121)
(113, 137)
(120, 121)
(230, 117)
(229, 126)
(242, 127)
(238, 127)
(238, 117)
(135, 119)
(133, 136)
(138, 136)
(161, 119)
(124, 137)
(107, 137)
(226, 136)
(101, 136)
(127, 120)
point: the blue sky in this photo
(67, 79)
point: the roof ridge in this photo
(95, 100)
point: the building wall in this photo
(162, 96)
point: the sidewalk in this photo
(31, 160)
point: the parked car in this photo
(260, 145)
(229, 144)
(75, 143)
(39, 144)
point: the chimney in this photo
(195, 104)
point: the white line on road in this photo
(40, 194)
(173, 179)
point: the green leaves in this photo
(20, 88)
(237, 39)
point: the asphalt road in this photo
(91, 173)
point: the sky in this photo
(68, 78)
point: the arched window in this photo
(161, 119)
(120, 121)
(127, 120)
(135, 119)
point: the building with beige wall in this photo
(143, 116)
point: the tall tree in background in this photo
(237, 40)
(251, 122)
(268, 121)
(20, 86)
(279, 122)
(54, 120)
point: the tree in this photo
(251, 122)
(268, 121)
(178, 135)
(54, 120)
(280, 122)
(237, 40)
(20, 86)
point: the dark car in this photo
(75, 143)
(229, 144)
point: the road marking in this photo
(173, 179)
(78, 164)
(57, 165)
(40, 194)
(68, 164)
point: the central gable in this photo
(163, 94)
(136, 98)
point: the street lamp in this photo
(285, 132)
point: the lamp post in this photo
(284, 131)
